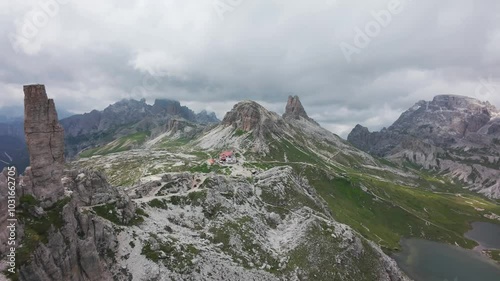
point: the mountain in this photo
(13, 150)
(454, 135)
(299, 203)
(126, 118)
(294, 136)
(73, 225)
(55, 238)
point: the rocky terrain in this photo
(245, 225)
(299, 204)
(55, 240)
(454, 135)
(295, 110)
(264, 135)
(125, 118)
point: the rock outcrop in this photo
(45, 140)
(124, 118)
(250, 116)
(453, 134)
(79, 245)
(295, 110)
(79, 250)
(58, 235)
(445, 119)
(171, 107)
(252, 127)
(205, 117)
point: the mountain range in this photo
(92, 129)
(451, 135)
(146, 197)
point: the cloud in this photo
(93, 53)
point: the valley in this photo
(382, 201)
(297, 202)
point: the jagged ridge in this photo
(453, 134)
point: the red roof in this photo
(226, 154)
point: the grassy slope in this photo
(382, 211)
(385, 211)
(119, 145)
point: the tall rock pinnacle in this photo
(295, 110)
(45, 140)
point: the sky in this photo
(351, 62)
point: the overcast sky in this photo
(349, 61)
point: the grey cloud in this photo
(93, 53)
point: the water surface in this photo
(424, 260)
(486, 234)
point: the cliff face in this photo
(445, 119)
(247, 116)
(453, 134)
(295, 110)
(57, 238)
(123, 118)
(45, 140)
(78, 245)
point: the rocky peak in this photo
(248, 115)
(360, 129)
(358, 135)
(446, 116)
(363, 139)
(126, 105)
(448, 123)
(205, 117)
(455, 102)
(45, 140)
(167, 106)
(294, 108)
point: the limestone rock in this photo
(295, 110)
(124, 118)
(90, 188)
(80, 245)
(77, 251)
(453, 134)
(245, 116)
(45, 139)
(205, 117)
(251, 116)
